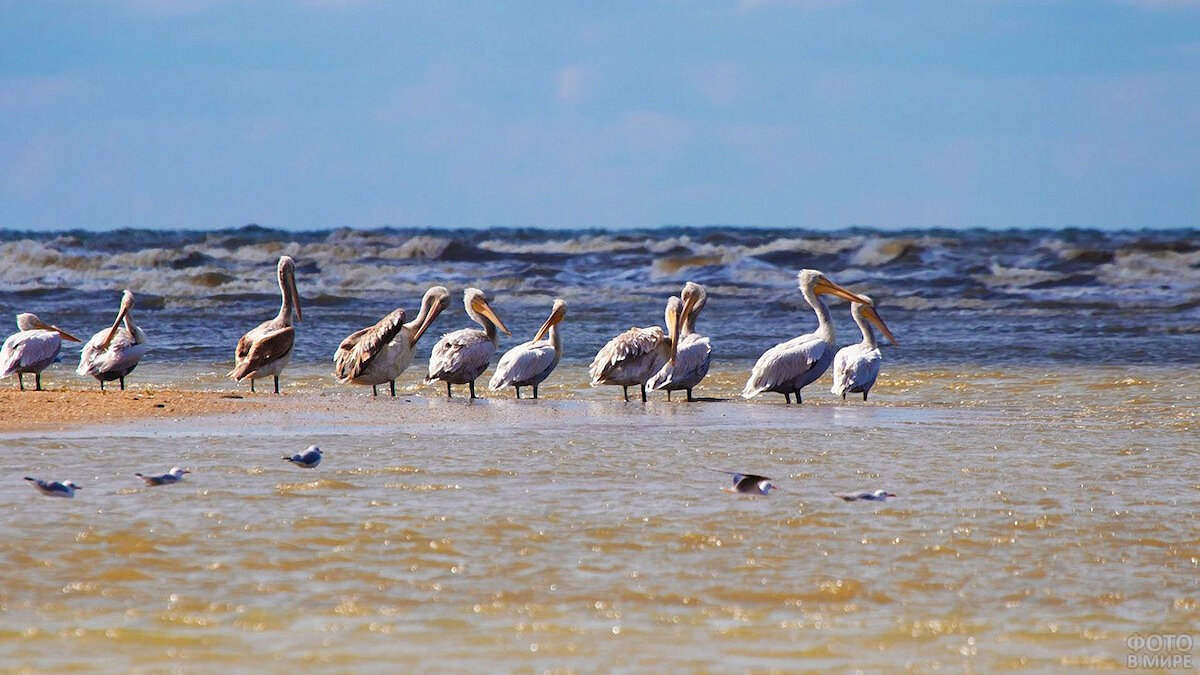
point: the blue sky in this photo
(801, 113)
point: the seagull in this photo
(748, 483)
(876, 496)
(54, 488)
(173, 476)
(309, 459)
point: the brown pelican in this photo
(32, 349)
(527, 364)
(265, 350)
(114, 352)
(856, 367)
(462, 356)
(380, 353)
(637, 354)
(694, 354)
(788, 366)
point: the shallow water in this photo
(1045, 515)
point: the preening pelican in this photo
(380, 353)
(32, 349)
(637, 354)
(527, 364)
(462, 356)
(694, 354)
(856, 367)
(265, 350)
(789, 366)
(114, 352)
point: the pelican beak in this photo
(432, 314)
(65, 335)
(826, 286)
(485, 309)
(112, 332)
(677, 325)
(295, 295)
(873, 316)
(555, 317)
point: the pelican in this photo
(265, 350)
(462, 356)
(637, 354)
(529, 363)
(856, 367)
(380, 353)
(32, 349)
(114, 352)
(694, 353)
(789, 366)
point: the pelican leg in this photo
(787, 398)
(21, 380)
(251, 386)
(798, 399)
(101, 385)
(668, 394)
(276, 384)
(471, 384)
(535, 391)
(690, 398)
(37, 381)
(374, 390)
(518, 392)
(448, 394)
(864, 394)
(843, 396)
(122, 384)
(392, 384)
(626, 388)
(643, 392)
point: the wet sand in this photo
(63, 409)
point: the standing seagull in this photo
(173, 476)
(789, 366)
(309, 459)
(748, 483)
(694, 354)
(876, 496)
(54, 488)
(265, 350)
(856, 367)
(637, 354)
(462, 356)
(114, 352)
(32, 349)
(380, 353)
(529, 363)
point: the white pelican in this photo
(32, 349)
(265, 350)
(114, 352)
(788, 366)
(694, 354)
(462, 356)
(856, 367)
(529, 363)
(637, 354)
(380, 353)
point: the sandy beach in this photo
(63, 408)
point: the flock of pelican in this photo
(674, 358)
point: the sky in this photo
(772, 113)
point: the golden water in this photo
(1043, 517)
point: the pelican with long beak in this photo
(789, 366)
(855, 368)
(462, 356)
(31, 349)
(380, 353)
(529, 363)
(694, 353)
(114, 352)
(264, 351)
(636, 355)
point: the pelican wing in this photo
(262, 351)
(356, 351)
(784, 362)
(27, 349)
(855, 368)
(123, 352)
(691, 363)
(631, 344)
(522, 363)
(463, 351)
